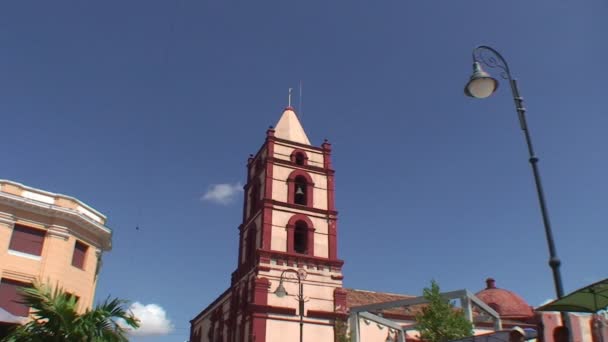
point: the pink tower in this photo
(289, 223)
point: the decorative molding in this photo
(326, 314)
(7, 218)
(51, 194)
(263, 268)
(315, 169)
(59, 232)
(302, 207)
(24, 255)
(290, 143)
(335, 264)
(257, 308)
(49, 210)
(18, 276)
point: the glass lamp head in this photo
(481, 84)
(280, 291)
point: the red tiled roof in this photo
(361, 297)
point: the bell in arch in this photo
(299, 190)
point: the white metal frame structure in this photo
(467, 300)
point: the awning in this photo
(591, 299)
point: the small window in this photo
(27, 240)
(300, 190)
(300, 238)
(300, 158)
(80, 251)
(10, 297)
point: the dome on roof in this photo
(505, 302)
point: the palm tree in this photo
(55, 319)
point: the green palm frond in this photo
(55, 318)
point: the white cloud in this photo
(222, 193)
(152, 320)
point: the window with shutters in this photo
(10, 297)
(80, 252)
(27, 241)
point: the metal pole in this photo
(301, 300)
(554, 261)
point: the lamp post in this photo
(482, 85)
(281, 292)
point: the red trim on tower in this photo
(238, 262)
(269, 154)
(326, 147)
(260, 290)
(245, 187)
(332, 237)
(340, 300)
(260, 297)
(331, 205)
(266, 237)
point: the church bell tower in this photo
(289, 230)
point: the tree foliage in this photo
(440, 321)
(55, 318)
(341, 330)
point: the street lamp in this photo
(482, 85)
(281, 292)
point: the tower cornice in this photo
(301, 259)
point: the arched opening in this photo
(300, 158)
(300, 238)
(300, 190)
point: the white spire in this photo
(289, 128)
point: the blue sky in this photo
(139, 107)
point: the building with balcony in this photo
(51, 238)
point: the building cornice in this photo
(51, 210)
(51, 194)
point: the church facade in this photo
(287, 285)
(288, 236)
